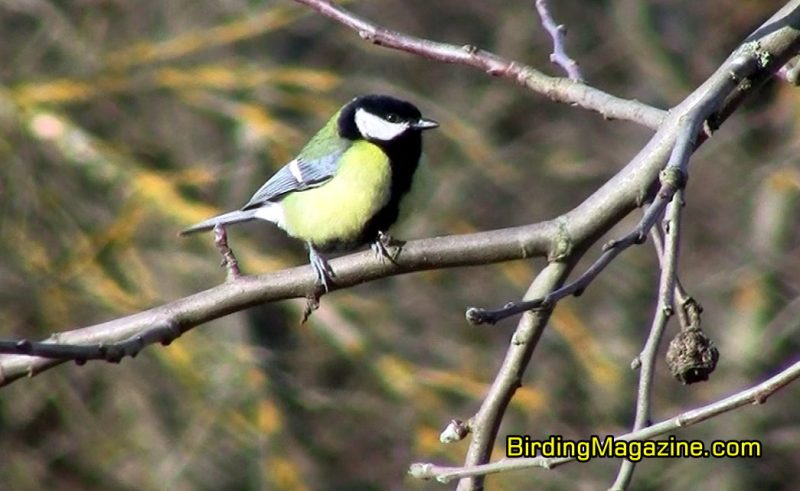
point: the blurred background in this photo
(123, 122)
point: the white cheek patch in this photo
(377, 128)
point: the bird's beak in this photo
(424, 124)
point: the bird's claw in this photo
(324, 274)
(381, 247)
(321, 268)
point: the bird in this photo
(344, 188)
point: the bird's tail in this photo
(224, 219)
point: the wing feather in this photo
(298, 175)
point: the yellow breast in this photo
(339, 209)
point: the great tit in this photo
(345, 187)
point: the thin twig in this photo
(681, 295)
(611, 250)
(477, 315)
(646, 361)
(757, 394)
(229, 261)
(557, 89)
(557, 32)
(55, 349)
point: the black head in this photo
(381, 119)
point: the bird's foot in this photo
(381, 247)
(321, 268)
(324, 274)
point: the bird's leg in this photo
(382, 244)
(324, 273)
(321, 267)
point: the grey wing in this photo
(297, 175)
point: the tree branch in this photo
(646, 361)
(682, 296)
(676, 139)
(126, 336)
(557, 32)
(685, 126)
(755, 395)
(486, 423)
(557, 89)
(563, 240)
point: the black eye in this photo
(393, 118)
